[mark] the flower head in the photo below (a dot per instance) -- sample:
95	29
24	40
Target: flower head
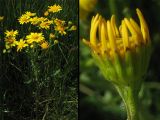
121	54
54	8
35	20
44	45
59	22
25	18
34	37
29	14
46	24
21	44
46	13
60	29
10	41
11	33
52	36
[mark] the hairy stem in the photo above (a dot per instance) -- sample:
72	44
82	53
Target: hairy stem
130	99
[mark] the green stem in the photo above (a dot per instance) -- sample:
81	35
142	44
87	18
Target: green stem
35	75
130	99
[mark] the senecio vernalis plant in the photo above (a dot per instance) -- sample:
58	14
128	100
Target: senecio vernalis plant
122	56
49	29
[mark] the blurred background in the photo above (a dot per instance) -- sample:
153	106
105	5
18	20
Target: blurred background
98	98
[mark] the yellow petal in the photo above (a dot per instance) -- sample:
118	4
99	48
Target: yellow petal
130	27
125	36
114	27
93	31
135	25
132	30
144	27
103	36
111	37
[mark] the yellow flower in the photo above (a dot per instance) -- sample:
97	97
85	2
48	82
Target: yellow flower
121	54
10	40
35	20
54	8
52	36
29	14
24	19
1	18
46	24
12	33
34	37
59	22
21	44
43	19
44	45
46	13
60	29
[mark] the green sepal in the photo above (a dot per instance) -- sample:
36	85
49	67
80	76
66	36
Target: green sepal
139	61
129	68
106	67
148	51
119	67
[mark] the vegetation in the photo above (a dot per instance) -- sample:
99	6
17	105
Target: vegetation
38	60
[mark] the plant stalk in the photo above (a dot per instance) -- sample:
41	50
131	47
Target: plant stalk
131	100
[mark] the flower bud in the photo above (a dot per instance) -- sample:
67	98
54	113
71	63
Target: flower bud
122	54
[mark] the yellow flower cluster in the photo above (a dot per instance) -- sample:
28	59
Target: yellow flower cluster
31	18
41	22
10	39
29	41
45	23
52	26
25	18
38	38
61	27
